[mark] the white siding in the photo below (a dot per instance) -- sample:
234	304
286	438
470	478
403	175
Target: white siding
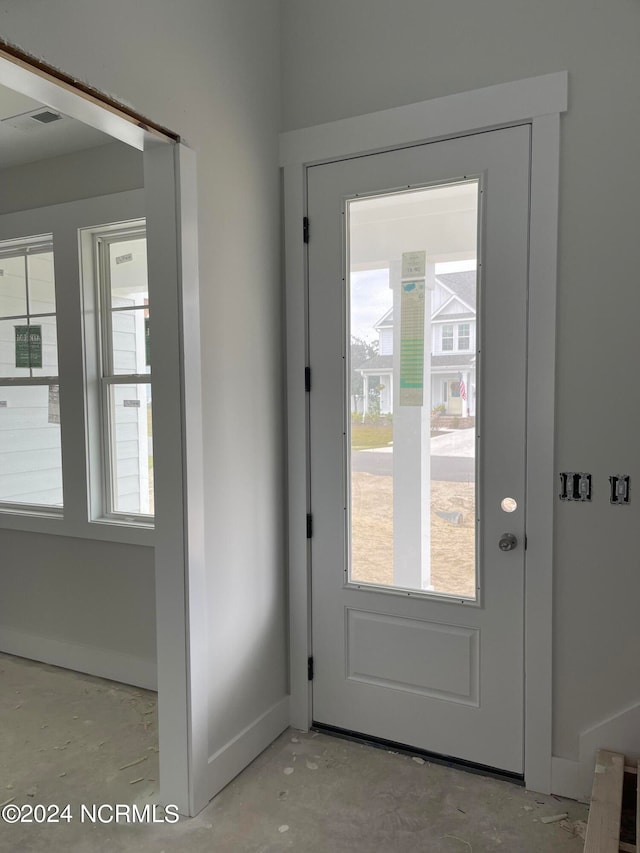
386	341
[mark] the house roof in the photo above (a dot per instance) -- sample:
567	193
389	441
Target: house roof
453	361
378	362
448	318
385	320
461	284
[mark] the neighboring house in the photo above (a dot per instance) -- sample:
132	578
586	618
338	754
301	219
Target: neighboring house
453	356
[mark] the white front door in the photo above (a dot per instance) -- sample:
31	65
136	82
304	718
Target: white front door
417	596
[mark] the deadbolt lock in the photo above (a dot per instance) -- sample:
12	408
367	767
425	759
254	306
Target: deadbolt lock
507	542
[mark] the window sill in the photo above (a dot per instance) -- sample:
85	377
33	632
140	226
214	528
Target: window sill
124	521
48	512
58	525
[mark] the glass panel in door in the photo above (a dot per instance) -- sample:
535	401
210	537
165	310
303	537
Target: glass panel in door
413	389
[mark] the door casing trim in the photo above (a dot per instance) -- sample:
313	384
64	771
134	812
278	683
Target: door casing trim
540	102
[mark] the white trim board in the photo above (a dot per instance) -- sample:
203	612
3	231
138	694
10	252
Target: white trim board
564	778
234	756
465	112
538	101
618	733
59	96
105	663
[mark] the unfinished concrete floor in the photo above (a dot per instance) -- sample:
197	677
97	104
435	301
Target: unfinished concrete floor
67	738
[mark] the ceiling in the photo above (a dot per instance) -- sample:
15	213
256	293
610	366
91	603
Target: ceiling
24	139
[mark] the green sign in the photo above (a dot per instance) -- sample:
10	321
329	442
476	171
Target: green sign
28	346
147	339
411	343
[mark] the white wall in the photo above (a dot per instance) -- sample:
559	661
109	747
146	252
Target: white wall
97	171
349	57
79	603
209	71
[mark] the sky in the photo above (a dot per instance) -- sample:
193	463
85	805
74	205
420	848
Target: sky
371	296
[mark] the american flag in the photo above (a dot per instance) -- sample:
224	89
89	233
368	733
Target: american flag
463	387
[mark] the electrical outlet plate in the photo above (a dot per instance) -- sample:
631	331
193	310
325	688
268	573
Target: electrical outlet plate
575	486
619	489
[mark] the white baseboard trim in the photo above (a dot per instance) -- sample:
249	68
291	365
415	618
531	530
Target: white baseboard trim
105	663
619	733
234	756
564	778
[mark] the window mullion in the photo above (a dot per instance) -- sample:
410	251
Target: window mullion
105	312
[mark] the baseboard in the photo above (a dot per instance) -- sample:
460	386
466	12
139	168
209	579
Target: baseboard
234	756
620	733
564	778
105	663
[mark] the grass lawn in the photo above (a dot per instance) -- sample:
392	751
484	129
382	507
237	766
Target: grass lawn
371	435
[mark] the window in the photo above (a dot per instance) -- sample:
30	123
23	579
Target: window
447	338
456	337
124	373
30	446
464	338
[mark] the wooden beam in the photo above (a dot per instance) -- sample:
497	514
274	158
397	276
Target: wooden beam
603	827
627	848
65	81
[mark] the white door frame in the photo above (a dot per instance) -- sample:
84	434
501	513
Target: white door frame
538	101
181	619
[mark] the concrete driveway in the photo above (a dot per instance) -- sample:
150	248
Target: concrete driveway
452	457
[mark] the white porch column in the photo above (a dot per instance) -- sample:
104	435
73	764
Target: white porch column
411	453
365	393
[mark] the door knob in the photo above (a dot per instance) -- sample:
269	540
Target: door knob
507	542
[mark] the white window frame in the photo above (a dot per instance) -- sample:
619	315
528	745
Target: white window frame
99	374
451	337
468	336
23	247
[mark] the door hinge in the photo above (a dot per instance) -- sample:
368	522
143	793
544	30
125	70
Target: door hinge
309	525
310	669
305	229
307	379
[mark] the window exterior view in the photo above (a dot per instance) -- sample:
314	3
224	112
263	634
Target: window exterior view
30	451
453	361
125	372
32	412
413	389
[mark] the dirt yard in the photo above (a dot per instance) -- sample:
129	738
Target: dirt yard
452	544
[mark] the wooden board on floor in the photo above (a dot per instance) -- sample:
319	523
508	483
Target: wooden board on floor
603	828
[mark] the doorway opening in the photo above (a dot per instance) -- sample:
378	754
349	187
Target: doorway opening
103	552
